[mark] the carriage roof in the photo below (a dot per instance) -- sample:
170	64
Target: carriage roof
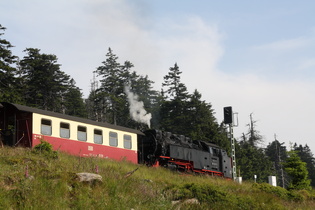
68	117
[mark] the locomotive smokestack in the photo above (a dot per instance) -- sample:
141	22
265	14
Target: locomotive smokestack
136	108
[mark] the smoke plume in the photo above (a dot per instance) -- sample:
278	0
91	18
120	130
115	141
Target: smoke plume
136	108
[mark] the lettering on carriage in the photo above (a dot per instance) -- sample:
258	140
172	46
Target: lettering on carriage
90	148
92	155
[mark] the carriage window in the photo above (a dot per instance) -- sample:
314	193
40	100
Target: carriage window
113	141
127	141
64	130
82	136
45	127
98	137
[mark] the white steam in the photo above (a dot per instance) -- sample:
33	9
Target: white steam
136	108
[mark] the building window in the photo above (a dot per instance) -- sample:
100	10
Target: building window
98	136
113	141
82	136
64	130
127	142
46	127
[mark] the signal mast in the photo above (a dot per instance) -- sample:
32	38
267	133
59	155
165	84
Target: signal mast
228	119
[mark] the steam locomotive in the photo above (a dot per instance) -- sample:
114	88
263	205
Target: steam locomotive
26	126
181	153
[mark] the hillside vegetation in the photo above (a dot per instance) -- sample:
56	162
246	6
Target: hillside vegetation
37	179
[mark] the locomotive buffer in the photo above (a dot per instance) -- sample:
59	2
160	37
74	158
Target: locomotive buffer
228	119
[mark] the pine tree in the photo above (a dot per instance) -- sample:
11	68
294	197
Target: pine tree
252	160
306	156
9	89
202	124
254	137
174	108
277	154
73	103
297	171
175	88
110	101
110	96
44	82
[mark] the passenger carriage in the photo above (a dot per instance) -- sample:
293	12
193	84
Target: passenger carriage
26	126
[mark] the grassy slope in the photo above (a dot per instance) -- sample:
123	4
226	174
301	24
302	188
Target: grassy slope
52	185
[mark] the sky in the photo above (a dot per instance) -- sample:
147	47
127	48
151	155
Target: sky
256	56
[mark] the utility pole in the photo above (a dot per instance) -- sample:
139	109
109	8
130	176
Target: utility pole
279	159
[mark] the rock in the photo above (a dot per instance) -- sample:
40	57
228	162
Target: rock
191	201
179	203
88	177
175	202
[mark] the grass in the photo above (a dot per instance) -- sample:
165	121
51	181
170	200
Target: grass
33	180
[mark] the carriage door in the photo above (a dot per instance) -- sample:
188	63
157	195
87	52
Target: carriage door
23	129
15	126
8	128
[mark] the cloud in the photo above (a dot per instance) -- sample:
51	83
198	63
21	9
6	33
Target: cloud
285	45
81	33
307	63
282	108
194	44
281	60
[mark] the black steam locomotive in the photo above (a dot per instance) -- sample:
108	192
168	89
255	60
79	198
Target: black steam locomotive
181	153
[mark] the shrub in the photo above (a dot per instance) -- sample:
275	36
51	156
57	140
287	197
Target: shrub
45	149
204	193
296	195
279	191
